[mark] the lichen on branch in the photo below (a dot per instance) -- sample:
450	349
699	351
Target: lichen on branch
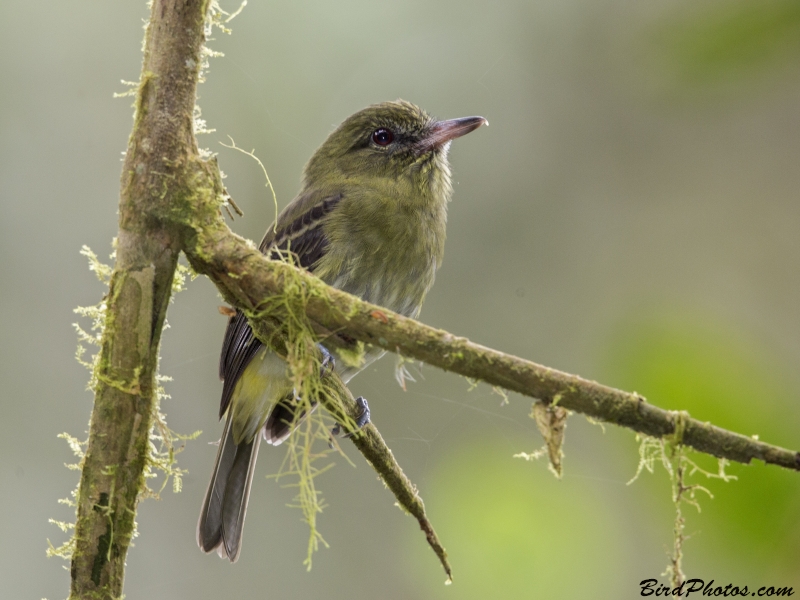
164	443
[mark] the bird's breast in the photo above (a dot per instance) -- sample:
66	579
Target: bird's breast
386	252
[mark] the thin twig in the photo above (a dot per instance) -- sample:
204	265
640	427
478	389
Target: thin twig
370	443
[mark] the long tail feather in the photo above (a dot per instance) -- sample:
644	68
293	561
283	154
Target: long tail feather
209	527
237	494
222	516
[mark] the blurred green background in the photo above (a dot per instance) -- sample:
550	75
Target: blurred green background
631	215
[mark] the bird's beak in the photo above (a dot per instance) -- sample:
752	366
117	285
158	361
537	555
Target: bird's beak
443	132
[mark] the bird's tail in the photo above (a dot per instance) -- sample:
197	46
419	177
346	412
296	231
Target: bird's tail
225	505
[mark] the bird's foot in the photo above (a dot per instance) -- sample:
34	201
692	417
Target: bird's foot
328	362
361	421
363	416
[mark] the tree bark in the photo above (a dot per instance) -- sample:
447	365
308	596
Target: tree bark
161	147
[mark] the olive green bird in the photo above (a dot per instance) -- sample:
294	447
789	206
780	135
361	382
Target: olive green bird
370	220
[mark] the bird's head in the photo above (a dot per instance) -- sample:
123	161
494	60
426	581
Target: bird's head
395	141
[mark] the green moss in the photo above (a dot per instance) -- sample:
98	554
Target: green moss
163	444
307	449
353	357
721	373
674	457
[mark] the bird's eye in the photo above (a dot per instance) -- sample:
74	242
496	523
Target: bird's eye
382	137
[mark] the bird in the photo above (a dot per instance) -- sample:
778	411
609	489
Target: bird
370	220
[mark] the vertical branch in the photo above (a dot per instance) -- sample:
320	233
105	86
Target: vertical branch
679	488
161	158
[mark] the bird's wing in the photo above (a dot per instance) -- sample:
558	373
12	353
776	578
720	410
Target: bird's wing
300	232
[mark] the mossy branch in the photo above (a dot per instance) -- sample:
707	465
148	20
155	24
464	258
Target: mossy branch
244	277
154	176
337	399
370	443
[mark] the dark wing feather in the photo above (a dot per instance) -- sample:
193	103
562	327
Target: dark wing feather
302	235
238	349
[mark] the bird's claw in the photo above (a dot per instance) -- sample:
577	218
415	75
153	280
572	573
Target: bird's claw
361	421
363	416
328	362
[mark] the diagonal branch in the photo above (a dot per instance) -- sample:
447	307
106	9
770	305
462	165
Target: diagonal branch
244	277
370	443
